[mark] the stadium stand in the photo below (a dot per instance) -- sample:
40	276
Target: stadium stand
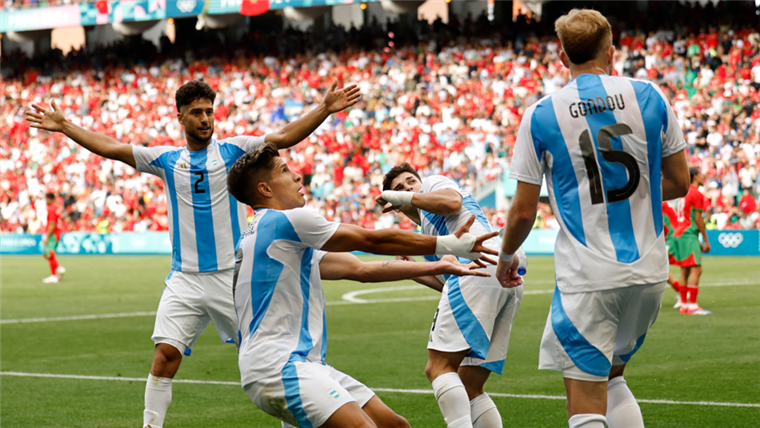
447	98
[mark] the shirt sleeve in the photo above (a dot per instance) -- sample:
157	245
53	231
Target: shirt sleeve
526	163
247	142
672	138
312	229
148	159
439	182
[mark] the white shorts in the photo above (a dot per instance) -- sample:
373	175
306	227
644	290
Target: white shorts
306	394
189	302
476	313
588	333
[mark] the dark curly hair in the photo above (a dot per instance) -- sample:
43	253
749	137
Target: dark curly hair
251	169
395	172
193	90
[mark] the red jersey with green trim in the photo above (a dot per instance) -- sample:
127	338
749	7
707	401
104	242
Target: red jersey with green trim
53	215
669	220
687	208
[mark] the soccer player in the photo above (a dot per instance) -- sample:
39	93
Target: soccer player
282	258
669	223
688	249
470	332
205	221
50	240
611	150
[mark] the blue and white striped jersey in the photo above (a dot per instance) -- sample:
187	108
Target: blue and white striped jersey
600	141
438	225
205	221
278	291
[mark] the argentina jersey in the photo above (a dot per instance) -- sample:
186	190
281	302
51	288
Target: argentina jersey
438	225
600	141
278	292
205	221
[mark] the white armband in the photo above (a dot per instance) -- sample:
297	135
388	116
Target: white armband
460	247
397	198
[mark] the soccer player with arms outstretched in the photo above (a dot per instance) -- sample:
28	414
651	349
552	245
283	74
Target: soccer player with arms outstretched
611	150
281	260
205	221
688	250
469	337
51	239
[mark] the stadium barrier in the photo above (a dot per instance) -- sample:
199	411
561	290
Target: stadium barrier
539	242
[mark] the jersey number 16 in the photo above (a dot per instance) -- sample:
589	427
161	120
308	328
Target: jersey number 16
604	136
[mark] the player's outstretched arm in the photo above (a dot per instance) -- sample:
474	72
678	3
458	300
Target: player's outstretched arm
54	121
348	266
522	215
430	281
441	202
394	242
296	131
675	176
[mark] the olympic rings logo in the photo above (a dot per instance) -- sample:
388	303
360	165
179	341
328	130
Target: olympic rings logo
730	240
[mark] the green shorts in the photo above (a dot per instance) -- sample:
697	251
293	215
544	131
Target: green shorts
687	251
51	246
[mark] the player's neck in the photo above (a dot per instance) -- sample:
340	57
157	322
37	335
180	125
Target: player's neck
591	67
194	145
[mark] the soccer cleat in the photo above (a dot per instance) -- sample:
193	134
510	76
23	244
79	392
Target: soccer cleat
684	310
699	311
60	271
52	279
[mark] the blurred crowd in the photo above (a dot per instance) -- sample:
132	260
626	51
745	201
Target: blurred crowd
447	98
26	4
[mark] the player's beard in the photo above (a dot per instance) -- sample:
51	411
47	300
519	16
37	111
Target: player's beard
197	136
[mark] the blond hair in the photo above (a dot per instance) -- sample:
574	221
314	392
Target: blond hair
584	34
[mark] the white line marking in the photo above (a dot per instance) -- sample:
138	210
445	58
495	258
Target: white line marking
401	391
348	299
79	317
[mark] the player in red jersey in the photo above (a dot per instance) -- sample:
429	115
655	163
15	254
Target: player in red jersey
688	250
670	221
51	239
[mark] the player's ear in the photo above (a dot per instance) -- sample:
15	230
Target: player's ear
264	190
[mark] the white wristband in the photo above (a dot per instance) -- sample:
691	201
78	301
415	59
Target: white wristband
397	198
460	247
506	257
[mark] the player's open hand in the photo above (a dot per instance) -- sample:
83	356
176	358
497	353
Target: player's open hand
336	101
506	273
451	266
49	120
478	247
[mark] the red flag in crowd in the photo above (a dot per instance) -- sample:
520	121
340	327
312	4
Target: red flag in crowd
254	7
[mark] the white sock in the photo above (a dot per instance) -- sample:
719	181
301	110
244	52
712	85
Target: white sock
158	397
587	420
453	401
484	412
622	408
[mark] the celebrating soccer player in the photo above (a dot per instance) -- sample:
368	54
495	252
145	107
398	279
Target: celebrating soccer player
282	258
470	333
205	221
603	143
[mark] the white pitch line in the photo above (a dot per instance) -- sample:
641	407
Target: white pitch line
401	391
79	317
348	299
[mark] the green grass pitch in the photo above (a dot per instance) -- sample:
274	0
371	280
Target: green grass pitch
684	359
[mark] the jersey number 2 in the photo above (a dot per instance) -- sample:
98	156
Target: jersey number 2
201	176
604	136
